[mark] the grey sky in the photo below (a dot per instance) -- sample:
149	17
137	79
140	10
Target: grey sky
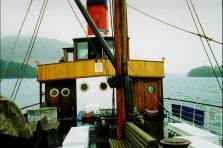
149	39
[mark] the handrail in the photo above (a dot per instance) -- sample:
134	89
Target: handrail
215	129
29	106
194	102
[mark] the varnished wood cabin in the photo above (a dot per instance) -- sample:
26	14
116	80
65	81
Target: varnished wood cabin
87	59
81	62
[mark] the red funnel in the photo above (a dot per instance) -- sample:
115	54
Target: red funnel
97	9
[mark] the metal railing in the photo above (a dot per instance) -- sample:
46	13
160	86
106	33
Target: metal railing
212	117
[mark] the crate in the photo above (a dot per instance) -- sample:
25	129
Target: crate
37	114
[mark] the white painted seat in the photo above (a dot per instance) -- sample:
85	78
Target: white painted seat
197	142
78	137
185	129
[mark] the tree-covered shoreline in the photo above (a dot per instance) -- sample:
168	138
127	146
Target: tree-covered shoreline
14	68
205	71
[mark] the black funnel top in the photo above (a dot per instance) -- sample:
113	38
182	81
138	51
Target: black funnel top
95	2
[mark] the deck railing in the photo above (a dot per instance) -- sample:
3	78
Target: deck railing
210	119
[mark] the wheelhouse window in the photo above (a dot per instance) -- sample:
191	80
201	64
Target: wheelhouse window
82	50
111	46
70	56
90	48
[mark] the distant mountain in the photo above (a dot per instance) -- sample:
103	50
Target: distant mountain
45	50
205	71
14	68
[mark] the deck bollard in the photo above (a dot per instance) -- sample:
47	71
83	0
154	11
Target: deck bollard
175	143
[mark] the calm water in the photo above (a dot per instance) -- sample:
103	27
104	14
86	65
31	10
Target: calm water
28	93
179	87
197	89
203	90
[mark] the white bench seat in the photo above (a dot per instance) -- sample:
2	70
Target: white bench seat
185	129
77	137
197	142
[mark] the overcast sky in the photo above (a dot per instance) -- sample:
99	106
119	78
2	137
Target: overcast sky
149	39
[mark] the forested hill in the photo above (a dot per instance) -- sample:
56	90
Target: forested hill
14	68
45	50
204	71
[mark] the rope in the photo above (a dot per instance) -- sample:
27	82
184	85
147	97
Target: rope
30	48
205	35
29	51
83	28
111	16
173	26
77	16
17	37
28	106
112	26
204	46
181	100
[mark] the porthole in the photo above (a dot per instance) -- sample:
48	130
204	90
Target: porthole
65	92
151	89
103	86
54	92
84	87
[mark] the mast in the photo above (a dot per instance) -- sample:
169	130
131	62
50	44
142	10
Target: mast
120	31
120	59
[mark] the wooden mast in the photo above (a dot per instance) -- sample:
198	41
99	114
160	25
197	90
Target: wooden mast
120	60
120	31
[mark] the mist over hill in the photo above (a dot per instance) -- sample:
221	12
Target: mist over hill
45	50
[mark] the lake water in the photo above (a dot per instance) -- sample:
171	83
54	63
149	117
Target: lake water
197	89
204	90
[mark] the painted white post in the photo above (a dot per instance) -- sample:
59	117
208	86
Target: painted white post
194	114
221	124
169	113
181	104
208	117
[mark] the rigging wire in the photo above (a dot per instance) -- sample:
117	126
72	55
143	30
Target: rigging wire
179	28
205	35
173	26
112	29
29	51
17	38
111	16
30	48
203	45
82	26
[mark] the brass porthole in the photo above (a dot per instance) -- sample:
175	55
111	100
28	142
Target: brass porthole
103	86
84	87
54	92
65	92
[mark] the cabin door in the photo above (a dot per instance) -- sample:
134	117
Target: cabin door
151	95
62	94
146	94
